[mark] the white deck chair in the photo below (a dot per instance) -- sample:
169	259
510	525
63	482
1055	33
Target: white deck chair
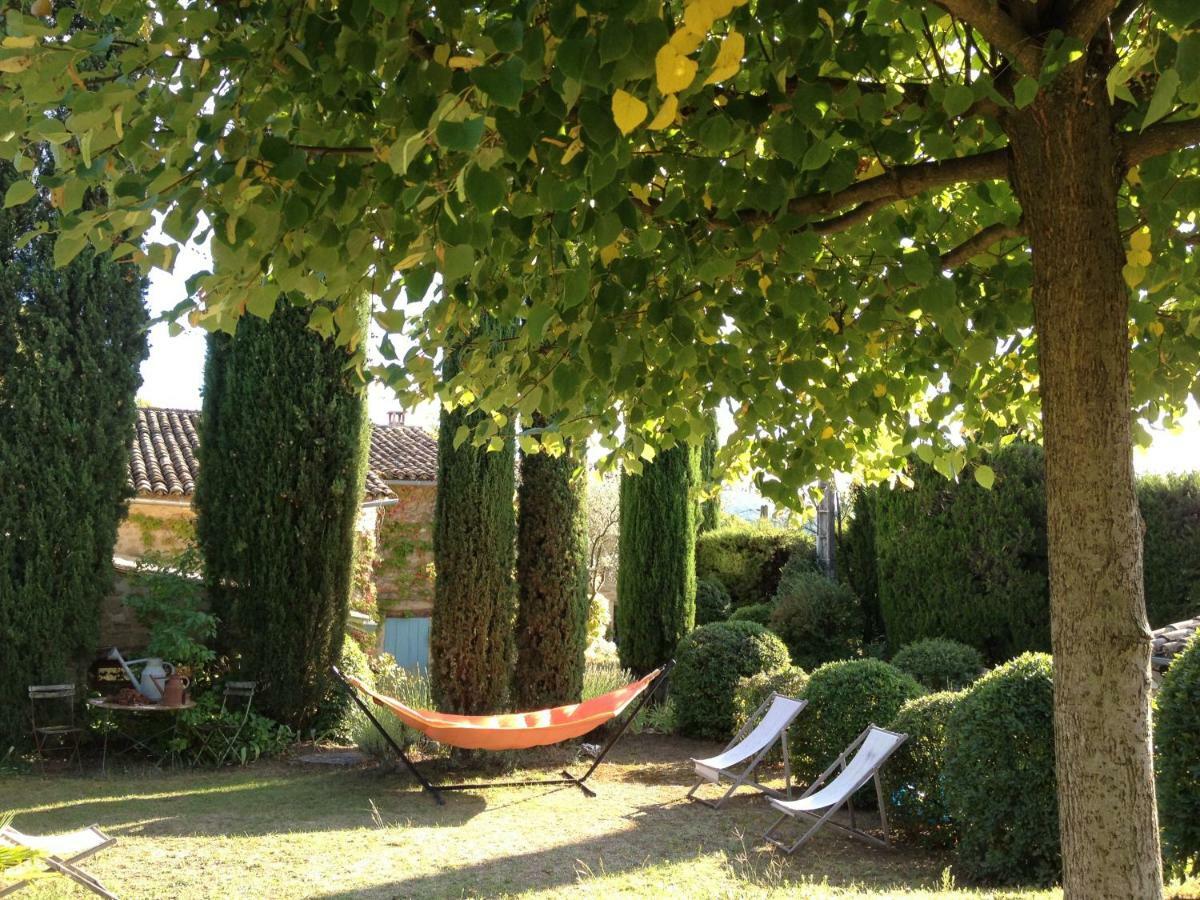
773	717
873	747
62	852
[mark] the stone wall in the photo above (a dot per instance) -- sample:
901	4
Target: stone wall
404	552
156	526
118	625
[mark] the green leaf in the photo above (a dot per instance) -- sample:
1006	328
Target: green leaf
958	99
985	476
67	247
458	262
19	192
503	83
408	145
576	286
391	320
816	156
1024	91
464	135
1163	100
262	300
484	189
461	433
1180	13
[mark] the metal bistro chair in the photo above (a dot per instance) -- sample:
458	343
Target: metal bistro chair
55	729
221	737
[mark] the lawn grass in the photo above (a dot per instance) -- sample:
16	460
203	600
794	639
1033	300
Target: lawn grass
283	830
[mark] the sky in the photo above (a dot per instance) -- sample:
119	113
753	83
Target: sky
172	374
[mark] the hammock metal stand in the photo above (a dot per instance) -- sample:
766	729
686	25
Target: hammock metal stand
567	778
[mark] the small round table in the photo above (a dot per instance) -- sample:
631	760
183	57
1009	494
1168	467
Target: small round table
138	709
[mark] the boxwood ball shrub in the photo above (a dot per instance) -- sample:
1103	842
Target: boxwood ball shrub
1177	758
709	663
748	558
818	618
913	779
940	663
752	690
999	775
712	601
843	699
755	612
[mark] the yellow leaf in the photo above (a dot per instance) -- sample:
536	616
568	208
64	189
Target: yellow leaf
463	62
666	114
875	168
628	111
441	53
729	58
1155	328
1140	239
827	432
609	253
572	151
826	18
698	17
707	200
1138	258
832	324
685	41
411	260
640	191
1133	176
13	42
1133	275
880	390
14	64
674	71
764	283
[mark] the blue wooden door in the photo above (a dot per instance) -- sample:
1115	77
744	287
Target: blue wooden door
407	640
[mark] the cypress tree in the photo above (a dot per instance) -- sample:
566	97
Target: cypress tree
552	582
471	644
710	509
71	342
656	581
282	455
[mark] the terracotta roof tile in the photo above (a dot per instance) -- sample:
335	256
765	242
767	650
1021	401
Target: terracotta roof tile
162	455
1166	642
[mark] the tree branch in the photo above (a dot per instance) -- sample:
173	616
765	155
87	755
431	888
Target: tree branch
1159	139
999	30
1087	16
978	243
903	182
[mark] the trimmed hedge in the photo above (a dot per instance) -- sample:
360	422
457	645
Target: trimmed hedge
843	699
748	559
940	664
752	690
1177	759
999	775
712	601
914	779
755	612
959	561
1170	507
709	664
818	618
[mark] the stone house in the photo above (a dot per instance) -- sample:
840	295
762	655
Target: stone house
395	522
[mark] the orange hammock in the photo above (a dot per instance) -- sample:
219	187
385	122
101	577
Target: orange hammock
512	731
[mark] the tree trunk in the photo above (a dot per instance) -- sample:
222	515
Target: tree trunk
1066	171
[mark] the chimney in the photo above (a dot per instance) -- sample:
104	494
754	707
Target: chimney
395	417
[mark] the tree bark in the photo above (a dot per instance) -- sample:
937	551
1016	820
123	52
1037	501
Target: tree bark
1066	171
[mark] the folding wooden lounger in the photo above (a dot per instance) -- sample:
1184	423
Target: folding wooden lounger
62	853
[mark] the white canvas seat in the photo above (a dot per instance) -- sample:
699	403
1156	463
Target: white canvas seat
768	724
829	793
62	852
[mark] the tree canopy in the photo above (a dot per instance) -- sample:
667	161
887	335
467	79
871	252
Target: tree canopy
759	203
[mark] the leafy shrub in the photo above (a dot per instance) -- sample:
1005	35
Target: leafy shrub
818	618
335	714
1170	506
843	699
602	675
752	690
1177	758
913	778
709	664
760	613
712	601
260	737
958	561
940	663
747	559
999	775
170	604
410	688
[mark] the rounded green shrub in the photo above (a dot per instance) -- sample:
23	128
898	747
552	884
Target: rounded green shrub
1177	758
748	558
709	663
818	618
940	663
755	612
913	779
752	690
843	699
712	601
999	775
